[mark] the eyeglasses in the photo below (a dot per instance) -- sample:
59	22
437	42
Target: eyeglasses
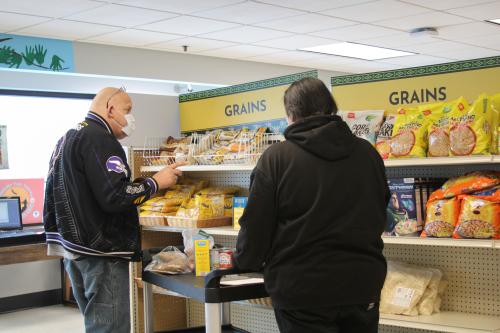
122	89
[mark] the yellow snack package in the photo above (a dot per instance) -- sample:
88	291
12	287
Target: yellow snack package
441	218
176	195
479	218
228	205
495	108
210	206
409	134
438	139
470	128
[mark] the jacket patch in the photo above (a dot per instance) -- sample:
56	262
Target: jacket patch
134	189
115	164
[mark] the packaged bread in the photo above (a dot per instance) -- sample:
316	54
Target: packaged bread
467	184
479	218
409	137
427	304
364	124
230	190
159	209
403	288
470	128
177	194
383	143
441	218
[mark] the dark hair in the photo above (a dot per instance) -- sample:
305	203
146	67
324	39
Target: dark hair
308	97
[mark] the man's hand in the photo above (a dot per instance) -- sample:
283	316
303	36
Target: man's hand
168	176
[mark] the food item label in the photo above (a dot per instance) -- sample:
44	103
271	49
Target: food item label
409	137
239	204
202	257
403	297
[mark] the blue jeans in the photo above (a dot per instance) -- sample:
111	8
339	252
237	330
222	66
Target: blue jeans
101	289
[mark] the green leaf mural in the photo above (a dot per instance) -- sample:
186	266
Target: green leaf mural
32	56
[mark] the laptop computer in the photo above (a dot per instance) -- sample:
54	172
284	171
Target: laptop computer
10	214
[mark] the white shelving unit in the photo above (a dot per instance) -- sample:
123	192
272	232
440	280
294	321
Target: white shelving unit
471	265
452	322
391	163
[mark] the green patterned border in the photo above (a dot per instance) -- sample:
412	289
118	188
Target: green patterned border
278	81
459	66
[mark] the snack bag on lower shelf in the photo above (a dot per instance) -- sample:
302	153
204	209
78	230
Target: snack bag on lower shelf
441	218
466	184
364	124
403	288
383	143
471	128
409	137
479	218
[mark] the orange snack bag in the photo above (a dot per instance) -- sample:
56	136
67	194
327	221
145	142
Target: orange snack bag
469	183
441	218
479	218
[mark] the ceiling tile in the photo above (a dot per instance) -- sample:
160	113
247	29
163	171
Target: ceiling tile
432	19
376	11
132	37
240	51
188	25
445	4
415	60
457	32
64	29
286	57
122	16
178	6
194	44
435	48
50	8
10	22
249	13
306	23
485	11
296	42
355	32
314	5
362	66
245	34
487	41
470	53
396	40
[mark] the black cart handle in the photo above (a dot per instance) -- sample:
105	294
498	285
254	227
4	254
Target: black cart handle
212	280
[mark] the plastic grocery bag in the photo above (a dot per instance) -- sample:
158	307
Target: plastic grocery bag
403	288
171	261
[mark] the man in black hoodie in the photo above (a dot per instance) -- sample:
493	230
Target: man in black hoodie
314	219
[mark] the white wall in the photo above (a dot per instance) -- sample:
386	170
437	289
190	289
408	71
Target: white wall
32	277
156	116
123	61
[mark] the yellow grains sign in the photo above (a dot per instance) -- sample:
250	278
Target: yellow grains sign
248	103
390	90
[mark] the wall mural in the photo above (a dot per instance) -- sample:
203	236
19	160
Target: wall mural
23	52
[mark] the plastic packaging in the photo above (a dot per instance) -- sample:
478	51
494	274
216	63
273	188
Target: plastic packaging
170	261
409	137
466	184
364	124
441	218
479	218
189	236
383	144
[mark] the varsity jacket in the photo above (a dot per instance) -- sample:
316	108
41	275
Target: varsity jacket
90	202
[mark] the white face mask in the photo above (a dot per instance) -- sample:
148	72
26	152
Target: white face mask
130	127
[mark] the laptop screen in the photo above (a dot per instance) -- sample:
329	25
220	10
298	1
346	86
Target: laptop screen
10	213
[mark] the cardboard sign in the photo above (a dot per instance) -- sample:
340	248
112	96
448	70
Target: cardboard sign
31	192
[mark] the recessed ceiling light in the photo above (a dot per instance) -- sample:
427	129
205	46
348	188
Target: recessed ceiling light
496	21
359	51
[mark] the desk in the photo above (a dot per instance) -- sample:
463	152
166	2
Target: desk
25	246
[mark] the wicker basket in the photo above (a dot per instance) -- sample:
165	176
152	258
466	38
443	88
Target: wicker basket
186	222
262	301
153	220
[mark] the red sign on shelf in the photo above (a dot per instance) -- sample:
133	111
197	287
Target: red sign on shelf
31	192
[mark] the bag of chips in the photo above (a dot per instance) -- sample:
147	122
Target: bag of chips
364	124
495	114
466	184
409	134
383	144
438	140
441	218
470	128
479	218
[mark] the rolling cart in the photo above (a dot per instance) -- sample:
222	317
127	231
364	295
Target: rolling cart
207	290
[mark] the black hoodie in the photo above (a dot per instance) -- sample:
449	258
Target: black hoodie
314	219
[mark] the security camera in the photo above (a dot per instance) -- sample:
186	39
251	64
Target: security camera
189	88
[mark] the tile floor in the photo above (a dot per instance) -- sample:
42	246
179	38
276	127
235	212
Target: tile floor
50	319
